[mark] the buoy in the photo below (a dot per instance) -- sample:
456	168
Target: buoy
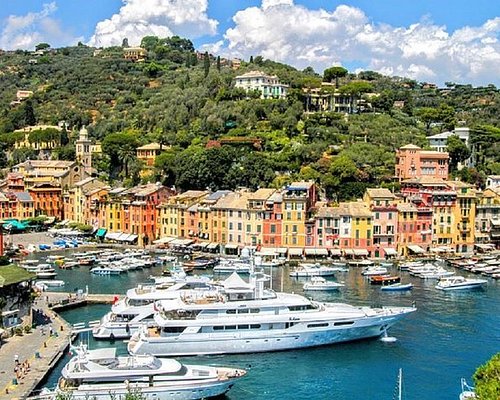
387	339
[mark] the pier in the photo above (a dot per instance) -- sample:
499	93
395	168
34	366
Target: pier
39	351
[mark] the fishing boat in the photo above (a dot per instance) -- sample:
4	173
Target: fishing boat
460	283
397	287
245	317
100	374
384	279
321	284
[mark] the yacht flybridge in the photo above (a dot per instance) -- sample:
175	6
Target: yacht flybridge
137	308
245	317
100	374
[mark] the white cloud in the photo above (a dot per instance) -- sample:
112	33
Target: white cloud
162	18
26	31
283	31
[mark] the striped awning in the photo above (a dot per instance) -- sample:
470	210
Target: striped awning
390	251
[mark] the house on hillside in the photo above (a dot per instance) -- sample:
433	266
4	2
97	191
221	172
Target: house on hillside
269	86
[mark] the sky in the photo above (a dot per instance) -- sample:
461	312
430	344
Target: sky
427	40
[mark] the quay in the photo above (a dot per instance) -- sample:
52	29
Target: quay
39	349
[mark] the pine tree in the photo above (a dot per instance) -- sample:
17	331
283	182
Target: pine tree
206	63
218	63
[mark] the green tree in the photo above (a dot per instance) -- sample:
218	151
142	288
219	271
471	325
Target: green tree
29	113
149	42
334	73
458	151
218	63
125	42
487	379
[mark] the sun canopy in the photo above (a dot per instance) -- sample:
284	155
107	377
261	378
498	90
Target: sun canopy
231	246
101	232
316	251
295	252
335	252
163	240
360	252
390	251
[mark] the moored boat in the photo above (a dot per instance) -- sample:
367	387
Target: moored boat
384	279
321	284
245	317
100	374
467	392
460	283
397	287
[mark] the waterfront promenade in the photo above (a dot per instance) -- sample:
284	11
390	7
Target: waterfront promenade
40	349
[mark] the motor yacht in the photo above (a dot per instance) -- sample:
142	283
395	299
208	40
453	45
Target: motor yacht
106	270
460	282
100	374
137	308
244	317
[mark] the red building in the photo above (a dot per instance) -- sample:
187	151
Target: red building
272	222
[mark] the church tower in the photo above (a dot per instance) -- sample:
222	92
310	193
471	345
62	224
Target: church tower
83	152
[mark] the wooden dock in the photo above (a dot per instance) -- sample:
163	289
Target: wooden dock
59	301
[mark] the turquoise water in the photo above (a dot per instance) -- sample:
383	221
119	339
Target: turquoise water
446	339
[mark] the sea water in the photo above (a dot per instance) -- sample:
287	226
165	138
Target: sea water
445	339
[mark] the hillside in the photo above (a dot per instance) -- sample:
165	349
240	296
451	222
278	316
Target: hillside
179	100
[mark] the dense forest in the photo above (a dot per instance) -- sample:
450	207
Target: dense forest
187	102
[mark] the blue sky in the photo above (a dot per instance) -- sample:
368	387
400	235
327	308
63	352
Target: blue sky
428	40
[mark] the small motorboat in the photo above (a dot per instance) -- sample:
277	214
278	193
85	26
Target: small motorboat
54	283
397	287
376	270
467	392
459	283
321	284
104	270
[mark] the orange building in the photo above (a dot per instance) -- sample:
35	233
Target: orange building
413	162
47	199
272	222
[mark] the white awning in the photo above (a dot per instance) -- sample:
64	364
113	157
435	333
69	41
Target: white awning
315	251
416	249
267	251
180	242
335	252
231	246
201	245
122	237
130	238
390	251
281	250
212	246
485	246
360	252
348	252
294	251
112	235
163	240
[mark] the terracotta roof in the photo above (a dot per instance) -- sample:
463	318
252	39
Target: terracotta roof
261	194
380	192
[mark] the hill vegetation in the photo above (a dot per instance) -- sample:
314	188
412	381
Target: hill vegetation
185	100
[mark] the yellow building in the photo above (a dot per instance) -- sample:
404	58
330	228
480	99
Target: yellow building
298	199
65	173
255	209
172	214
464	216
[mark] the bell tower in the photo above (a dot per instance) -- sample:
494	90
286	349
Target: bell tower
83	152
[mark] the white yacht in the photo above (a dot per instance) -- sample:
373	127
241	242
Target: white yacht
137	308
459	282
305	270
106	270
375	270
100	374
321	284
246	318
230	266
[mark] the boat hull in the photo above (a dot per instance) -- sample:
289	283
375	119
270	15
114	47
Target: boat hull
461	287
157	392
263	341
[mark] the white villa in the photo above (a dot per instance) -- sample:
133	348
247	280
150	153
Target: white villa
268	85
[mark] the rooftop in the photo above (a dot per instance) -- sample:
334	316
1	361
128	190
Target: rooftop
11	274
152	146
380	193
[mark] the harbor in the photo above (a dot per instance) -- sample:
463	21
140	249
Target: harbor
423	348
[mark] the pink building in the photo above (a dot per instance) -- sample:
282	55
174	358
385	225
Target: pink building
382	204
413	162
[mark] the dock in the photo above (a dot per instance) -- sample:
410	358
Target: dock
38	348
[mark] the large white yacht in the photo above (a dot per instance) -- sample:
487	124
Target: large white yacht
245	318
137	308
100	374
